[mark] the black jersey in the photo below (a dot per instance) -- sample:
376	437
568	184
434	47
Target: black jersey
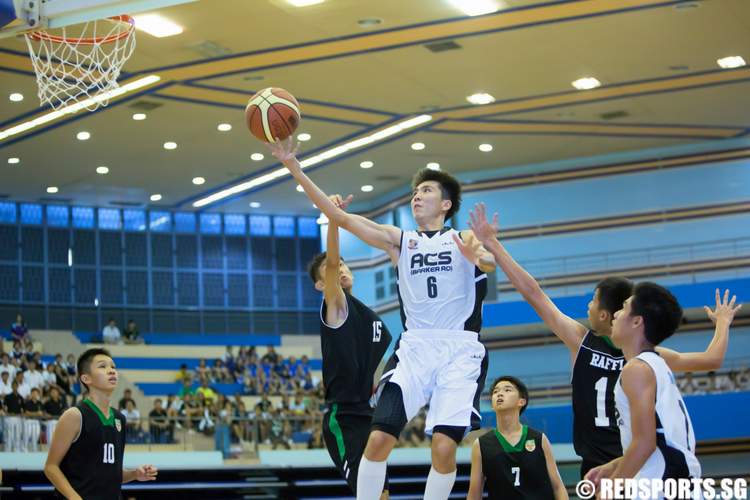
54	408
93	464
518	471
595	372
14	403
351	354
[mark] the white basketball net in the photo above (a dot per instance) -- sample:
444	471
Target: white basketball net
80	63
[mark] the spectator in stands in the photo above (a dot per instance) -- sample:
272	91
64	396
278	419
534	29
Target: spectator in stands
304	366
49	377
63	379
316	439
733	381
131	333
191	410
18	329
184	374
6	384
70	365
250	386
24	389
8	367
688	385
278	424
204	391
202	370
18	352
240	428
13	404
228	355
127	395
33	412
132	421
53	408
110	333
187	388
413	434
308	383
274	384
271	356
174	410
158	423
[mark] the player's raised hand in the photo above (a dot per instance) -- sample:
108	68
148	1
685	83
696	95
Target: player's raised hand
483	229
146	473
285	150
468	251
340	201
725	308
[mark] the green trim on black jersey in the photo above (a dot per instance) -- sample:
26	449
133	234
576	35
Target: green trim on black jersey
609	342
507	447
105	421
333	424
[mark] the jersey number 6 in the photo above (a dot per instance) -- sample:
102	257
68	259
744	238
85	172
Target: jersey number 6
432	287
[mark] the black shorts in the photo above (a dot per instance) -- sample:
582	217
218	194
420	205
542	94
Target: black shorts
345	435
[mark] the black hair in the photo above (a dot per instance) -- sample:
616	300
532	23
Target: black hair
83	365
659	309
613	292
313	267
449	186
523	392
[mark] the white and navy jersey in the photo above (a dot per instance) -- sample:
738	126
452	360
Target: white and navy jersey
438	288
674	456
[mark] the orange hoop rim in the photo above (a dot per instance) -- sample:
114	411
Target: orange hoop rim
44	36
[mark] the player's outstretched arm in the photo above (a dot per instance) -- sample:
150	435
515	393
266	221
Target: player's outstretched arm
639	384
476	482
66	431
142	473
382	236
558	487
333	293
570	331
713	357
481	258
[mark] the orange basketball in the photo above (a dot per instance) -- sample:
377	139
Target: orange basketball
271	114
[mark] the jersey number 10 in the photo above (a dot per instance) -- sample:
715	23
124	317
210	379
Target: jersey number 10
109	453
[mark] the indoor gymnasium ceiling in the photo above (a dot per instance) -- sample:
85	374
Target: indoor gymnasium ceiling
657	61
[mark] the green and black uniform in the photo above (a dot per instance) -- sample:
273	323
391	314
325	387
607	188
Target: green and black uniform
93	464
351	354
515	471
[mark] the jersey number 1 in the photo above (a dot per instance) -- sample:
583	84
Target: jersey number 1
601	420
109	453
432	287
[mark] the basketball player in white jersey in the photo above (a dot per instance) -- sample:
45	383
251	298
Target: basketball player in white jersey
657	435
439	359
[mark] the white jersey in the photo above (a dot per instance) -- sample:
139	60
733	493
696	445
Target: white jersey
438	288
674	456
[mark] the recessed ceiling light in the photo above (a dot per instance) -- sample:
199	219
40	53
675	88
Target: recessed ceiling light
418	146
170	145
485	148
224	127
366	188
586	83
13	161
433	165
157	25
257	156
304	137
476	7
254	204
369	22
155	197
480	98
731	62
52	189
304	3
139	116
83	136
198	181
16	97
102	170
300	189
366	164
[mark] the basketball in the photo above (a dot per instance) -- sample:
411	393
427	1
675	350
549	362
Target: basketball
271	114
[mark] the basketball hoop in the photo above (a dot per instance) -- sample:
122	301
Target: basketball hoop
81	63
